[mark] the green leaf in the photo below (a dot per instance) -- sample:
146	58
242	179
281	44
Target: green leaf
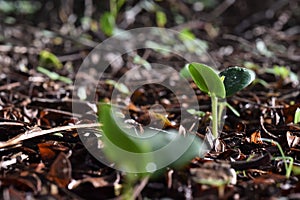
107	23
48	59
207	79
141	61
297	116
119	146
198	113
152	147
184	72
119	86
236	78
161	19
53	75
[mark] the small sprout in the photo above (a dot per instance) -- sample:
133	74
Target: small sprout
219	86
198	113
161	19
262	49
48	59
119	86
53	75
297	116
288	165
141	61
284	73
108	23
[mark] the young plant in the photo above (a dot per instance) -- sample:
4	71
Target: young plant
219	86
288	165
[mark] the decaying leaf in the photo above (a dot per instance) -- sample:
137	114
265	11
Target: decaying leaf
60	170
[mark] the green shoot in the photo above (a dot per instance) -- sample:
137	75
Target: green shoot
53	75
288	168
48	59
218	86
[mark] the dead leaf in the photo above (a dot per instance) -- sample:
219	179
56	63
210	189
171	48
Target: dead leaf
256	137
292	140
60	170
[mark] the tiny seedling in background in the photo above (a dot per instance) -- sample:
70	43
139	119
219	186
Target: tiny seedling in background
288	166
219	86
54	76
48	59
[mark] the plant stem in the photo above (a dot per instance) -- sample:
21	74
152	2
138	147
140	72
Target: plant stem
214	110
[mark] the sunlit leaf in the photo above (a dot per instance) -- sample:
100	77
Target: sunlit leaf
161	19
53	75
119	86
48	59
297	116
207	79
107	23
236	78
198	113
141	61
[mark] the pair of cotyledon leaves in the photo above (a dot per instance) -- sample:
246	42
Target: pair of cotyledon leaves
224	84
150	150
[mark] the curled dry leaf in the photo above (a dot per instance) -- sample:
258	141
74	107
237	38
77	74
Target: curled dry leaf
60	170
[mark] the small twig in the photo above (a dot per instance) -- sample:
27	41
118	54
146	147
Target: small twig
138	189
10	86
261	120
37	132
12	124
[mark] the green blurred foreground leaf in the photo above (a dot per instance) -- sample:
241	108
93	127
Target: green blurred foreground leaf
145	153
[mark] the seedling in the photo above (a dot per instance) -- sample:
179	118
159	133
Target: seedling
288	166
219	86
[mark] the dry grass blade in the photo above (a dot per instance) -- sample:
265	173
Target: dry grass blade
38	132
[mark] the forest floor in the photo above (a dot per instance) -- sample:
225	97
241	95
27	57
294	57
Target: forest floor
42	50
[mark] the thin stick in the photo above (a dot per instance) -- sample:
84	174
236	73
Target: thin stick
37	132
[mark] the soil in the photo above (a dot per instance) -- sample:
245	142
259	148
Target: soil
42	153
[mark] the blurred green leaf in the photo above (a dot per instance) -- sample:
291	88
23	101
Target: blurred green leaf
198	113
186	34
107	23
262	48
184	72
119	86
53	75
152	148
48	59
161	19
141	61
